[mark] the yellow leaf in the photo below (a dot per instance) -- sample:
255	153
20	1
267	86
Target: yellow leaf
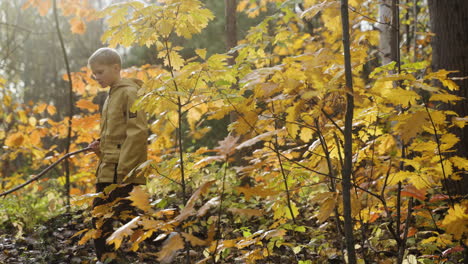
170	248
14	140
125	230
91	234
459	162
32	121
444	98
174	60
140	198
306	134
448	140
456	221
386	143
201	53
22	117
460	121
7	100
399	177
245	123
411	124
51	109
399	96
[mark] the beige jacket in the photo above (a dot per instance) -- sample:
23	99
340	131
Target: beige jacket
124	135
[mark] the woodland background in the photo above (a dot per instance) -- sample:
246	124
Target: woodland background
299	131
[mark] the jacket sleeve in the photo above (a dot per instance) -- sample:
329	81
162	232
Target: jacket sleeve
134	148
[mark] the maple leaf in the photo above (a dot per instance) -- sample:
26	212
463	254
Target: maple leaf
410	125
456	220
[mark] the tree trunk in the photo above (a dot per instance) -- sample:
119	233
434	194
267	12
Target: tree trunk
449	23
348	137
231	26
231	36
384	26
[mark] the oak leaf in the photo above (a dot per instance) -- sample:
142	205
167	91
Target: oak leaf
140	198
258	190
170	248
125	230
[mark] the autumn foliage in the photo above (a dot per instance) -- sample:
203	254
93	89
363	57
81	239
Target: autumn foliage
282	195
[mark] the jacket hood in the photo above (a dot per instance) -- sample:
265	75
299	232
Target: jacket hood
128	82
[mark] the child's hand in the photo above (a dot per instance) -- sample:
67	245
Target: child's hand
94	146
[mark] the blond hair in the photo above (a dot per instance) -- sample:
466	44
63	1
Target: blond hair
106	56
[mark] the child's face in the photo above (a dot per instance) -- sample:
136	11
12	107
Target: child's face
106	75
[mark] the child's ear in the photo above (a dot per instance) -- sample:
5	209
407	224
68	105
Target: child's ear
116	67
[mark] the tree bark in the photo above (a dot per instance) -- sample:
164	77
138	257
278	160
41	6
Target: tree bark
449	23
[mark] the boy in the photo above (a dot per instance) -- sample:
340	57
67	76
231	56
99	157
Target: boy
123	139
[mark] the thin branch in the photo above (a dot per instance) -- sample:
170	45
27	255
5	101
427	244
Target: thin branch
43	172
439	152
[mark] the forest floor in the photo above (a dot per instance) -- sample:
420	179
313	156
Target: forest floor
50	242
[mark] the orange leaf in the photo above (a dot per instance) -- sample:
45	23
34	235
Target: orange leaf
256	191
412	231
411	191
14	140
51	109
195	241
170	248
246	212
188	210
88	105
77	25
